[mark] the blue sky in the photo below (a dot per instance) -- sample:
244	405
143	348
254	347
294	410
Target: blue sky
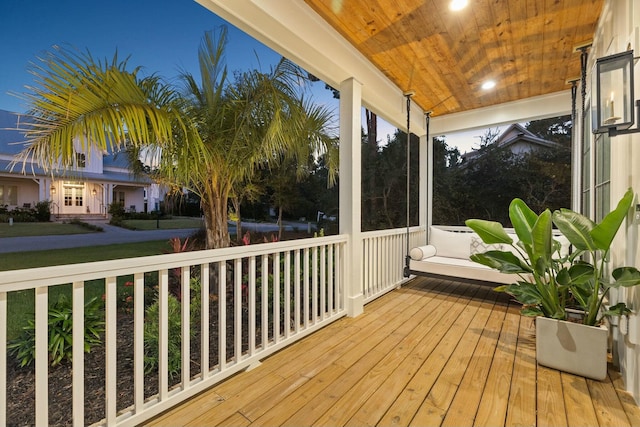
162	36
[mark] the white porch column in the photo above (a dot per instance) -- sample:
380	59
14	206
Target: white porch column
350	190
425	183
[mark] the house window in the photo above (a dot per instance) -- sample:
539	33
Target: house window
602	160
9	195
81	160
73	193
586	166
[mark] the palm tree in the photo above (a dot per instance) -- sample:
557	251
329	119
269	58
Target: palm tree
246	124
210	139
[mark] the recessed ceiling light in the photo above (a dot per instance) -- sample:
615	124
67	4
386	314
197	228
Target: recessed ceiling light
489	84
456	5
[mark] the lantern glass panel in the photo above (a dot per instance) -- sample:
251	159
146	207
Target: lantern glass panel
614	91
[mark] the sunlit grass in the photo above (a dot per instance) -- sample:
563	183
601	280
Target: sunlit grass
28	229
34	259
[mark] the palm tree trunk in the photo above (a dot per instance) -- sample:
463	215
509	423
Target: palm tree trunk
215	215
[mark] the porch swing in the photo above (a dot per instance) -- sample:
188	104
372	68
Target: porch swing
446	254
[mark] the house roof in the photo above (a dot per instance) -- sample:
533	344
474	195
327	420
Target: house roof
514	134
517	133
115	167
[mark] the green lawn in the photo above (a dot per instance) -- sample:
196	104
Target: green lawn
164	224
25	229
34	259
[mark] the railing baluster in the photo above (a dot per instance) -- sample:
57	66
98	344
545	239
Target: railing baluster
296	290
330	284
237	305
163	332
340	293
138	341
366	267
276	297
323	282
305	289
42	356
287	294
185	292
111	348
78	353
204	320
3	358
264	289
252	306
222	315
314	285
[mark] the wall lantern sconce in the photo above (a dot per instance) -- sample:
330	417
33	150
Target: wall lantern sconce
94	192
614	96
53	189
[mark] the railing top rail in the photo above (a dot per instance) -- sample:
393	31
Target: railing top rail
391	231
15	280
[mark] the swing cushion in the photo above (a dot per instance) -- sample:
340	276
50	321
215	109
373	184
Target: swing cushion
448	255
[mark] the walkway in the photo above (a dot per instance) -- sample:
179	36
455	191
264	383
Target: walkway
114	235
111	235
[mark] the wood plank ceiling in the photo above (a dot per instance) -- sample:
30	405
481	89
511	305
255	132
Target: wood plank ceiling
525	46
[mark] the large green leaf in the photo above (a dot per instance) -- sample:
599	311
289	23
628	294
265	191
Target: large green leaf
524	292
542	242
523	219
503	261
576	228
626	276
490	232
581	273
604	232
617	310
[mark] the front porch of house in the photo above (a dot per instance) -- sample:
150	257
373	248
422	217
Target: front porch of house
435	352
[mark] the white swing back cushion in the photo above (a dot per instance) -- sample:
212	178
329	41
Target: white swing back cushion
450	244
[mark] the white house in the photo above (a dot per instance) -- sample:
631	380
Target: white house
518	140
98	180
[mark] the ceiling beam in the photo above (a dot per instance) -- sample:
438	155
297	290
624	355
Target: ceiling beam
524	110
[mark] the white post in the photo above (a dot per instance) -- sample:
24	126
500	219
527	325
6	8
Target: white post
350	191
425	184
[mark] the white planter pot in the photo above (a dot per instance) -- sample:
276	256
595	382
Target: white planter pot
572	347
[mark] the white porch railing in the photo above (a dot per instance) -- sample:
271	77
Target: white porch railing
383	259
252	300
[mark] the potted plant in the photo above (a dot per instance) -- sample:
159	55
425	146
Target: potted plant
552	280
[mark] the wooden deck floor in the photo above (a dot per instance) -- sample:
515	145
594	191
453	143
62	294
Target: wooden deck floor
435	352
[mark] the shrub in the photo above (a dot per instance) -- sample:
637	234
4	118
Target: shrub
60	332
152	337
23	215
116	210
43	211
152	331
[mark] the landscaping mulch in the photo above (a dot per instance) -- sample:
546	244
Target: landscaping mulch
21	380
